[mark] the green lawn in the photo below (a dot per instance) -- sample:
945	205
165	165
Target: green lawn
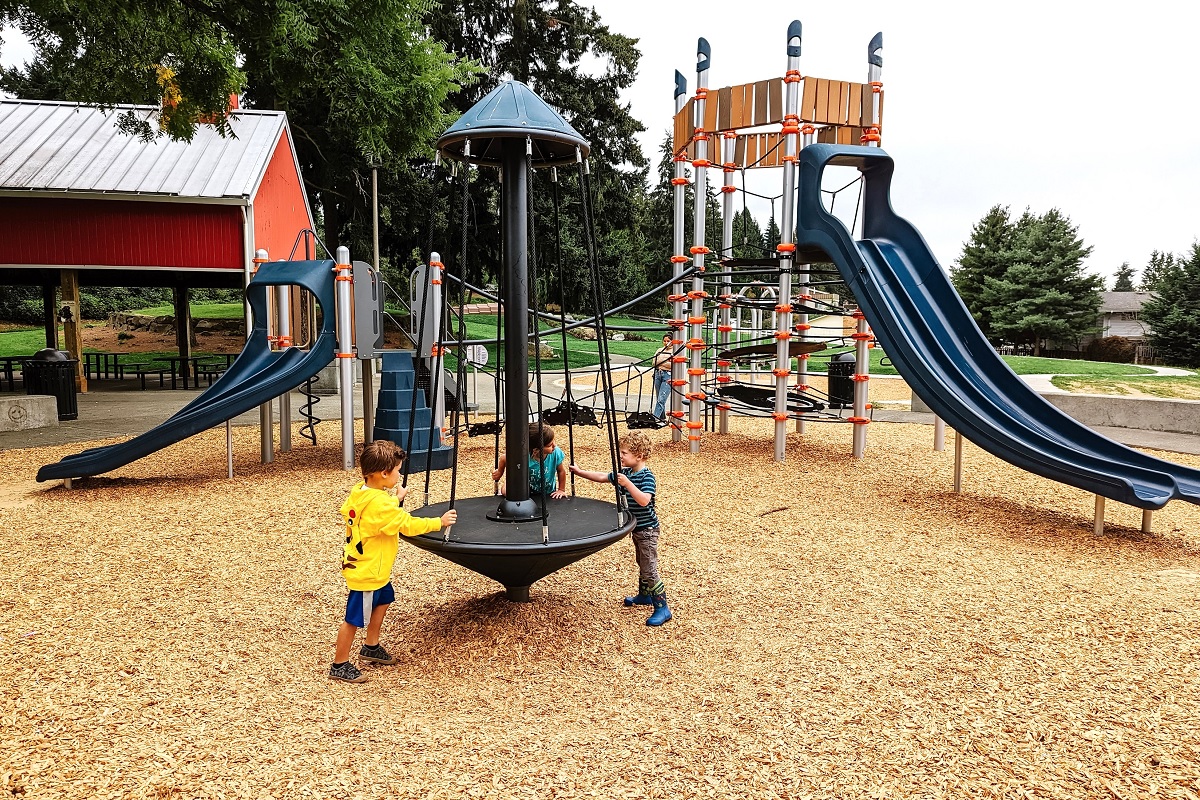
199	311
22	342
1030	365
583	353
28	342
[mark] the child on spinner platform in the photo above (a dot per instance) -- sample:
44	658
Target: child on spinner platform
374	519
639	487
547	464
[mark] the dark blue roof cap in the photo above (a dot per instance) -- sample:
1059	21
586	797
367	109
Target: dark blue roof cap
512	111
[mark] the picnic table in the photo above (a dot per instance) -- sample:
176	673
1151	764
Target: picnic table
99	363
8	367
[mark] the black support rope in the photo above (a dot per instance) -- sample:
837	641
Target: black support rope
601	332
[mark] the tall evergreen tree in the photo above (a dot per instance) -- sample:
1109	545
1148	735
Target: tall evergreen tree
545	44
1044	294
983	257
1161	264
747	236
772	236
1173	314
1124	279
660	219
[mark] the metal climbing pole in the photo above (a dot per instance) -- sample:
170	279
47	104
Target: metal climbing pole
802	326
787	246
875	79
678	259
724	327
695	320
862	336
345	354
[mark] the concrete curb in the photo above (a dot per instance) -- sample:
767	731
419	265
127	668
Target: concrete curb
1110	411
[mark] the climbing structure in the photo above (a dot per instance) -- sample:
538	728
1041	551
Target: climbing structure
723	128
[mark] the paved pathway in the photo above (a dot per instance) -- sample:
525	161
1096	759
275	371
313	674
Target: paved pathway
1042	384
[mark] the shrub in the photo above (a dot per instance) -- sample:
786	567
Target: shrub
1116	349
21	304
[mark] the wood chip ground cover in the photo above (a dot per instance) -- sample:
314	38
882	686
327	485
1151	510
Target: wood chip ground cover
843	629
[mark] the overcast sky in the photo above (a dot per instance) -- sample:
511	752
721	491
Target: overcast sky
1040	104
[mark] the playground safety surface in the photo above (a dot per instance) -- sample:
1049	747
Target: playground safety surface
842	629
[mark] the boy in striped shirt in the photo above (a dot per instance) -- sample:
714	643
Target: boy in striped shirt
638	487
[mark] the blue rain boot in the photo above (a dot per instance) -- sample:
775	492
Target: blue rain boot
661	612
642	598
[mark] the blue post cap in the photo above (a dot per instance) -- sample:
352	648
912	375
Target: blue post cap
703	54
793	44
680	83
874	50
512	111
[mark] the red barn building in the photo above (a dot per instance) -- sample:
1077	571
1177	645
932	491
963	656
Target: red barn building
82	203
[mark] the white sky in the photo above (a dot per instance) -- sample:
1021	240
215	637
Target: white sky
1041	104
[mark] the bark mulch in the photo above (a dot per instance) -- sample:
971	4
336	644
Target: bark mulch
842	629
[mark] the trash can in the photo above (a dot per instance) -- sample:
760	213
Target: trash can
52	372
841	380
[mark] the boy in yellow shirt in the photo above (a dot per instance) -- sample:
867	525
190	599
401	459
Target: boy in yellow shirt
374	521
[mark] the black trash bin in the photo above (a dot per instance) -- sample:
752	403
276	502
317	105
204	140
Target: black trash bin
841	380
52	372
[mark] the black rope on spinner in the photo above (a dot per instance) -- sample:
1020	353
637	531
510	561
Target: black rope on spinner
460	371
537	338
412	408
610	416
562	311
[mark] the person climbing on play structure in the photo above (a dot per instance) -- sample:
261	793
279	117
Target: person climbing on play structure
639	489
662	378
547	464
374	521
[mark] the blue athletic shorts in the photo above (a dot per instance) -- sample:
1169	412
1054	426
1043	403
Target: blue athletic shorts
360	604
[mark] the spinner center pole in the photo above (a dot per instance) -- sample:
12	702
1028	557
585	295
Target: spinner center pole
515	200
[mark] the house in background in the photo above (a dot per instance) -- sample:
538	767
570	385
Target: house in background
1121	315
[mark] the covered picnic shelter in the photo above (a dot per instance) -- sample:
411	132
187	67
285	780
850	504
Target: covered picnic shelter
84	204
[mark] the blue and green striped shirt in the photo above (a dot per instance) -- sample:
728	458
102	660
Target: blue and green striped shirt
644	516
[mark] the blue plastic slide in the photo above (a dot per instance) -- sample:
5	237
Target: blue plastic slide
256	376
939	350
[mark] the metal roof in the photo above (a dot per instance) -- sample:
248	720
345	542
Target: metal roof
52	147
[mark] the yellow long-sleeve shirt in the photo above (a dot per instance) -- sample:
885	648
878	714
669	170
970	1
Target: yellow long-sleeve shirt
374	523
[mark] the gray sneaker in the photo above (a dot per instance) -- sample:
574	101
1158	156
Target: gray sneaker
376	654
346	672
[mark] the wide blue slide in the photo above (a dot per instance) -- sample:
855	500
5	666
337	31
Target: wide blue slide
257	375
939	350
